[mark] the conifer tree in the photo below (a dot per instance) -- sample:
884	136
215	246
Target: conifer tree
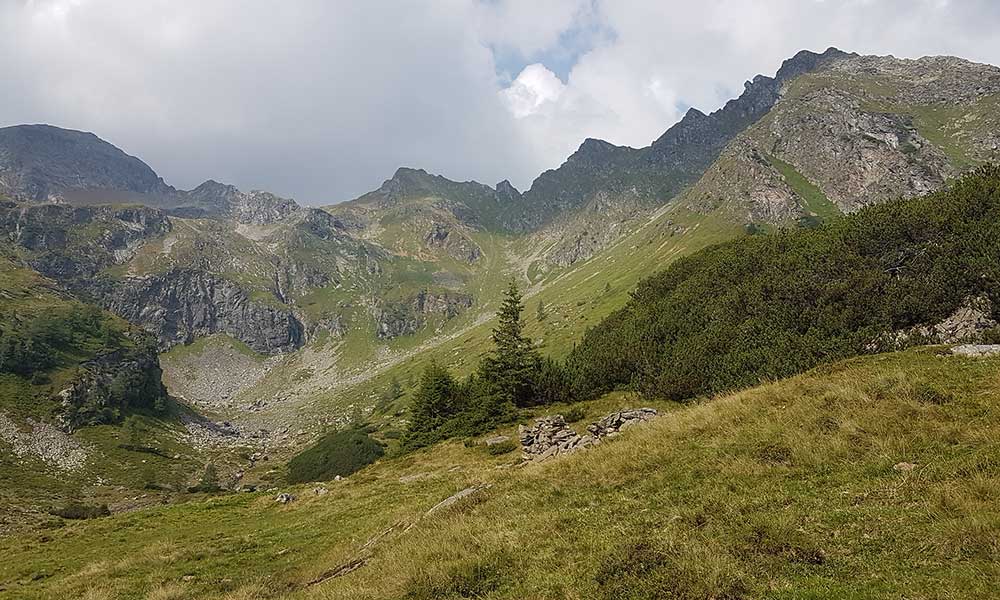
510	369
436	400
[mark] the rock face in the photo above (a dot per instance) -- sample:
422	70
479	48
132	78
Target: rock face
43	163
409	316
456	245
180	305
254	207
551	436
856	156
859	130
605	189
74	243
112	383
967	325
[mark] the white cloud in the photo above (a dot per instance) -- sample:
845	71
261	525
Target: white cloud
533	90
322	99
667	56
528	26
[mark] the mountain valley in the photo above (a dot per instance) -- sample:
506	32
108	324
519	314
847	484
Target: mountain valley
170	348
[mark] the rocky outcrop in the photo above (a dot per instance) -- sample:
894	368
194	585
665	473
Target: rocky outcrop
655	174
180	305
471	202
970	321
407	317
74	243
862	130
745	181
109	385
976	350
253	208
620	420
321	224
855	155
969	324
443	237
457	497
551	436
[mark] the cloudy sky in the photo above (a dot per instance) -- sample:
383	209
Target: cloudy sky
322	99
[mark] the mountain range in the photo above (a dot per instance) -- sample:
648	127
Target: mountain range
273	322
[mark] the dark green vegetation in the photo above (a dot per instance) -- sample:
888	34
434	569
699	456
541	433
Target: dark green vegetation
36	343
341	453
512	375
79	512
766	307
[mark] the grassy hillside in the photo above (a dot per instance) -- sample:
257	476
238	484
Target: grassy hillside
46	335
48	343
332	379
796	489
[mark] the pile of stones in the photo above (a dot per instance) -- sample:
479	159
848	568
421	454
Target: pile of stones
612	424
551	436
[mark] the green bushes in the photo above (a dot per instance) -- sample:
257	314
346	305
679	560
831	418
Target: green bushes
33	343
341	453
574	414
78	511
769	306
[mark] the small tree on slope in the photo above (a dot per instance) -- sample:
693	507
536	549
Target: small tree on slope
513	365
436	401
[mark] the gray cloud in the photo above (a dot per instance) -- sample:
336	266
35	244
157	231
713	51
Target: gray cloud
322	100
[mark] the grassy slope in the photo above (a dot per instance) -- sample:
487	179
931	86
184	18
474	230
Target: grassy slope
813	198
575	299
783	491
111	474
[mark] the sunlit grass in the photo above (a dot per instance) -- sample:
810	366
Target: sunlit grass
787	490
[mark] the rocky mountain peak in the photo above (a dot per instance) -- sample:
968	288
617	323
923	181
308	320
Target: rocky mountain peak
406	181
254	207
42	163
805	61
506	192
693	114
593	150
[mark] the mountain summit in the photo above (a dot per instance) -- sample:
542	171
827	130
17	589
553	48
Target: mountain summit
42	162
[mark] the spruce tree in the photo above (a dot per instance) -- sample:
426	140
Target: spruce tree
436	400
510	369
